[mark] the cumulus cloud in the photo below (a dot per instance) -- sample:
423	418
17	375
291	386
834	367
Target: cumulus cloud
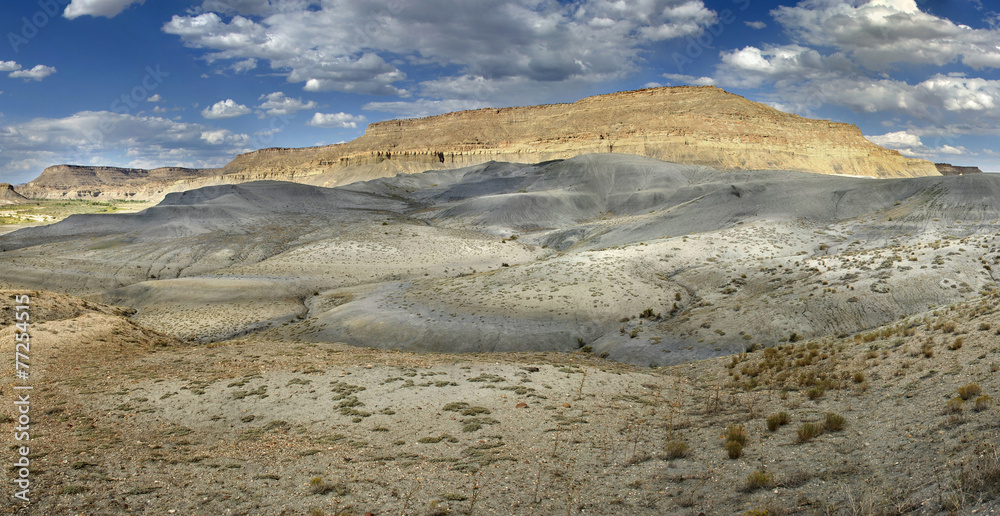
364	46
910	144
681	79
341	120
106	8
880	33
155	98
37	73
756	24
9	66
278	104
228	108
107	138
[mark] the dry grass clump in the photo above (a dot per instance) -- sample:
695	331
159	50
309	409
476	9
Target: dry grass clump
736	433
834	422
736	440
809	430
970	391
776	420
983	402
759	480
318	487
734	449
955	405
676	450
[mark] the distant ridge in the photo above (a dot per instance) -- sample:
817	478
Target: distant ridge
9	196
947	169
693	125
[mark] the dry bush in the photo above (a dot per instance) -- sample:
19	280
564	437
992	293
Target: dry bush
970	391
676	449
737	433
809	430
734	449
834	422
759	480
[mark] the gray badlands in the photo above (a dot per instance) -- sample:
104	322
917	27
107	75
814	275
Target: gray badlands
546	257
603	334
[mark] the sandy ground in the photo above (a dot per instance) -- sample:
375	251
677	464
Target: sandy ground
125	420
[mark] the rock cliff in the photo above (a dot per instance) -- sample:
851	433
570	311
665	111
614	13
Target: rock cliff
9	196
695	125
947	169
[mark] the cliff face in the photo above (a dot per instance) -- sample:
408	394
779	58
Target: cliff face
696	125
9	196
947	169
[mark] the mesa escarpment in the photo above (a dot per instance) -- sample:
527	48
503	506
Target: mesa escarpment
692	125
947	169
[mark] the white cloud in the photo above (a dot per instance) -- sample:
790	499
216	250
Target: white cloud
228	108
910	144
880	33
244	66
106	138
362	46
343	120
155	98
678	78
756	24
37	73
106	8
9	66
278	104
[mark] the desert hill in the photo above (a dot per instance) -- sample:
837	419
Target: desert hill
9	196
430	261
947	169
690	125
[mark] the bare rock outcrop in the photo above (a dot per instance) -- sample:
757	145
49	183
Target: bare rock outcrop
9	196
692	125
947	169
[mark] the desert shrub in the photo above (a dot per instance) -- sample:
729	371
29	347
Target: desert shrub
834	422
676	449
956	344
859	377
759	480
776	420
984	326
734	449
318	487
954	406
969	391
948	327
815	392
983	402
737	433
809	430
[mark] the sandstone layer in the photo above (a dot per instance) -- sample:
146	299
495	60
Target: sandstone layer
947	169
690	125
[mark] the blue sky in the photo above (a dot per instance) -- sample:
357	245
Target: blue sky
193	83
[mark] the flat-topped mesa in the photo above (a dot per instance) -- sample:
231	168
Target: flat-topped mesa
114	182
700	125
947	169
696	125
